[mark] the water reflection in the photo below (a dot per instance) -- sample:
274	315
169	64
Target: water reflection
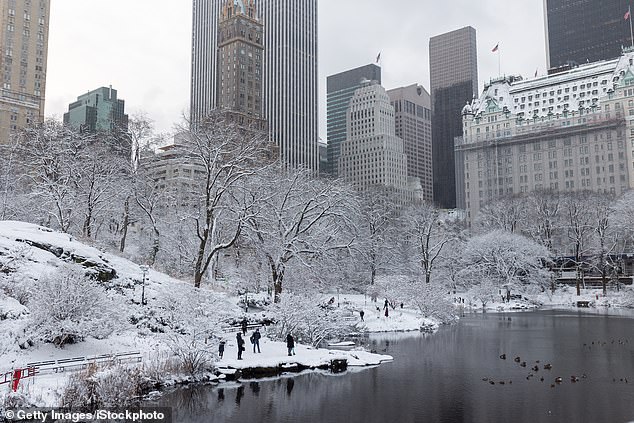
290	383
454	376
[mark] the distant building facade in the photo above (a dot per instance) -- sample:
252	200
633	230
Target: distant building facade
372	156
339	90
570	131
454	82
97	110
582	31
412	107
289	72
24	41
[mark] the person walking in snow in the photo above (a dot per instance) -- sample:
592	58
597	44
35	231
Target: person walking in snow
290	344
361	313
240	342
386	307
221	349
244	326
255	340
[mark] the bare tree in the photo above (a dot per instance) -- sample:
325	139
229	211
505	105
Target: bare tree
377	241
606	240
48	157
505	259
302	219
544	217
506	213
429	233
579	227
225	154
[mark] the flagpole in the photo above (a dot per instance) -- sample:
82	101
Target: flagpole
629	15
499	66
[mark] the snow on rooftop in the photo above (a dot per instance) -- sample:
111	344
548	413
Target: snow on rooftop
579	87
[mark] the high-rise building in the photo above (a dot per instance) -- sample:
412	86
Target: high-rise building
582	31
454	82
240	54
97	110
372	157
412	107
24	44
289	74
569	131
206	15
339	91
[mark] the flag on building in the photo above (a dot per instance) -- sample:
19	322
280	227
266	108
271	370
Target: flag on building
495	48
378	57
627	15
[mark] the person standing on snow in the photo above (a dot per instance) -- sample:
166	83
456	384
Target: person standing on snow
240	342
290	344
255	340
221	349
386	308
244	326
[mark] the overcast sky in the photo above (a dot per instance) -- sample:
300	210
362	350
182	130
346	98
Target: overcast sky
143	47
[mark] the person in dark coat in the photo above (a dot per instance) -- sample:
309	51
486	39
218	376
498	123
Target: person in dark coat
386	307
221	349
255	339
240	342
361	313
290	344
244	326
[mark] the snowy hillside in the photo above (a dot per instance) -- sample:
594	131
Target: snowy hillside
31	253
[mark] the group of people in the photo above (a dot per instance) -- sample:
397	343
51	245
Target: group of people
255	340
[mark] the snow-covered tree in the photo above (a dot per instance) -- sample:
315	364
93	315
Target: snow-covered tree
225	154
309	319
505	260
377	239
429	233
577	211
48	158
507	213
543	217
300	219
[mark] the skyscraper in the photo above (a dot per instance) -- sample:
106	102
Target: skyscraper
206	15
97	110
412	108
581	31
372	157
24	43
289	74
339	91
240	51
453	66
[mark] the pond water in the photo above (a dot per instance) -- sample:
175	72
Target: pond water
439	378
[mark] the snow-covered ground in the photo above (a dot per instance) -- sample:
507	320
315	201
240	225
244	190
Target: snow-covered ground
29	252
374	319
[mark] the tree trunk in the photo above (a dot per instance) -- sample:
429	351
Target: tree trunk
126	223
155	246
198	270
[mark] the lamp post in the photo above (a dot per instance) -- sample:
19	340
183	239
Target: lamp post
144	269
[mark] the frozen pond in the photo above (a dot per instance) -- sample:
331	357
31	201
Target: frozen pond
439	378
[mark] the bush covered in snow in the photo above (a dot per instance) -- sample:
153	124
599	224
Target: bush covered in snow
112	386
194	353
67	306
